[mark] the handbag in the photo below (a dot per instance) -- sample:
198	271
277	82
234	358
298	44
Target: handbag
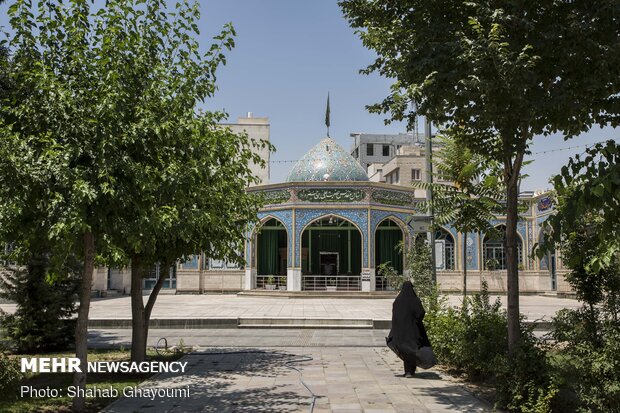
425	358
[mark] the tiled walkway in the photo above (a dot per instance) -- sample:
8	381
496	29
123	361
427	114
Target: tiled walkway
344	379
222	306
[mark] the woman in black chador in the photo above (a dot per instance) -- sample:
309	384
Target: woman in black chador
407	333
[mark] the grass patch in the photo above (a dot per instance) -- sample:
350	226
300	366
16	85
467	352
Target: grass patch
59	381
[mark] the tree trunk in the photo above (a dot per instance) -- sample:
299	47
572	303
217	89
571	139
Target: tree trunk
512	265
152	298
138	336
465	265
81	327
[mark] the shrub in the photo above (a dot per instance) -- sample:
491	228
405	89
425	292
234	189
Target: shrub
590	362
45	296
524	382
391	276
467	339
472	340
420	266
589	337
10	376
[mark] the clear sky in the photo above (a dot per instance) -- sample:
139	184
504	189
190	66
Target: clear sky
290	53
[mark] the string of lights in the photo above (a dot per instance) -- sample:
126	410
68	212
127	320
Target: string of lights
589	145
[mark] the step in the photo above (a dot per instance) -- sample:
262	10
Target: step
318	294
283	322
172	323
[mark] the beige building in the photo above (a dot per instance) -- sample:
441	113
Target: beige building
407	166
256	128
371	148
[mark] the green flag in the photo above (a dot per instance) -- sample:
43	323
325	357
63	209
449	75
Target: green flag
327	114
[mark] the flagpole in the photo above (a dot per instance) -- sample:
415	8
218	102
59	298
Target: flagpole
327	115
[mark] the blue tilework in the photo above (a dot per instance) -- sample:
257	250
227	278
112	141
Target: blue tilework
357	216
376	217
327	161
286	217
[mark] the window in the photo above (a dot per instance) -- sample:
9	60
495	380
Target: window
494	251
370	150
444	243
392	177
152	274
386	150
415	175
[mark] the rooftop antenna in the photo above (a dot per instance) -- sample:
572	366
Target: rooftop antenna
327	115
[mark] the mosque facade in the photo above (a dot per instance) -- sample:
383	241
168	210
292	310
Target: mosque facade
328	228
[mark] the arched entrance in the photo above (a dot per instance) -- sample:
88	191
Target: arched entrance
331	255
494	250
388	239
444	246
271	254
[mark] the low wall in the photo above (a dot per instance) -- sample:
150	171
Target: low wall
529	281
188	281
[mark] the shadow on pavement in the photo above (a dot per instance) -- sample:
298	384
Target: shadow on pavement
105	339
455	395
427	375
244	381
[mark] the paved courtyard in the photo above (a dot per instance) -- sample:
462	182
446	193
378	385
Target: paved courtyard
233	306
343	379
253	370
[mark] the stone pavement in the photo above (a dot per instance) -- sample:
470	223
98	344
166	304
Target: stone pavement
270	338
223	306
344	380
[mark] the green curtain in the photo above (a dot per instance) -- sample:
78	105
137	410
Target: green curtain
386	248
336	241
268	252
356	253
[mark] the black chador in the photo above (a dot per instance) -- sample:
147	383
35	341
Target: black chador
407	334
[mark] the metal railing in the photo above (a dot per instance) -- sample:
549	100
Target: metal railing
278	280
331	283
381	284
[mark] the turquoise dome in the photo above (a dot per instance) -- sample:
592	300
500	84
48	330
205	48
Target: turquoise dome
327	161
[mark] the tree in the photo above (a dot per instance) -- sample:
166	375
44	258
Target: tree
585	227
182	179
200	204
471	199
419	268
503	71
53	130
4	59
44	290
587	186
420	262
589	336
96	134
